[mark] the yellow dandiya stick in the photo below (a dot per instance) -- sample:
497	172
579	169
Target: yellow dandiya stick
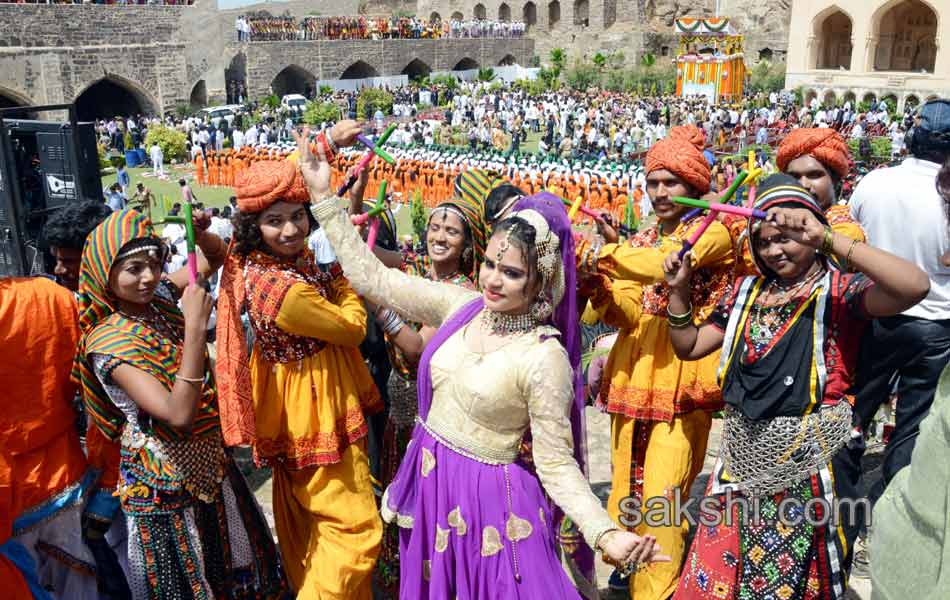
574	208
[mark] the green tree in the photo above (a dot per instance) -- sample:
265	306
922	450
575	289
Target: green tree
171	141
325	90
372	99
767	77
320	112
557	61
486	74
420	219
582	75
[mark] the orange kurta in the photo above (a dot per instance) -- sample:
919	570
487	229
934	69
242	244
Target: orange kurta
37	428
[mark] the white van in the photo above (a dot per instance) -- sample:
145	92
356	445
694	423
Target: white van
216	114
294	102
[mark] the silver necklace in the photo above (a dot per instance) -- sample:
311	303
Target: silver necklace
506	325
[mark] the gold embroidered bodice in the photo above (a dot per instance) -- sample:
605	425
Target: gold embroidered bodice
483	403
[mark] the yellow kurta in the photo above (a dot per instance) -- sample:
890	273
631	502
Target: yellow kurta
310	427
661	406
308	411
645	379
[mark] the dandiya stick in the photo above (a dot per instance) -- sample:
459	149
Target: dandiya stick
374	224
367	158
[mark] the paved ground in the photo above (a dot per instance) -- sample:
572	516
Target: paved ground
598	430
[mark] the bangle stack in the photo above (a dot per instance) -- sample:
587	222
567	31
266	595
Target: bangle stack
589	257
389	321
827	243
679	321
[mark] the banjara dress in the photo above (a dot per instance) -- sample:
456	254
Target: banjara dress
474	519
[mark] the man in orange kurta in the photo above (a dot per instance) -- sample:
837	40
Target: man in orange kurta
41	454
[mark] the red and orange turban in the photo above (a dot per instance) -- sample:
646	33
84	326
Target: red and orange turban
825	145
267	182
681	153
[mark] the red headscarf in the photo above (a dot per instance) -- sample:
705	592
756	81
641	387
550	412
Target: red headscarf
681	153
825	145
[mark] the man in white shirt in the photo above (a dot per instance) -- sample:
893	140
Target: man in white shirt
158	157
901	212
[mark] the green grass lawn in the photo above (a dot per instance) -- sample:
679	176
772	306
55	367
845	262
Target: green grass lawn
167	192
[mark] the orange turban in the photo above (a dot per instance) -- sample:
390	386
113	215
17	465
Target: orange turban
681	153
825	145
267	182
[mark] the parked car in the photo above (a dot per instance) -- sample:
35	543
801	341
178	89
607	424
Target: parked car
296	103
216	114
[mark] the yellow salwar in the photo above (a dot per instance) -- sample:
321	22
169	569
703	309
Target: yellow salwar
660	405
328	526
310	426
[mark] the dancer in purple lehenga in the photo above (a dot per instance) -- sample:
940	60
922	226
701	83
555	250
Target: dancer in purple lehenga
475	521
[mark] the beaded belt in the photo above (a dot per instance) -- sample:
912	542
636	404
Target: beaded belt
466	448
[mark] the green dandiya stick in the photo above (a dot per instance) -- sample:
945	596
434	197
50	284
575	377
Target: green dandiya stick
374	224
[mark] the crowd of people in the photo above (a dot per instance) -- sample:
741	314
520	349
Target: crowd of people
421	405
268	28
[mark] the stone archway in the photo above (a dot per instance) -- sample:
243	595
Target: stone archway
504	12
435	16
582	13
416	69
829	99
11	99
809	96
911	101
199	95
293	79
869	97
359	70
850	96
235	79
529	14
833	29
466	64
554	14
113	96
507	61
766	54
457	16
906	34
479	11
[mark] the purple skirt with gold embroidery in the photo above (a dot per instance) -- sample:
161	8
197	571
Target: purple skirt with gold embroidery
472	530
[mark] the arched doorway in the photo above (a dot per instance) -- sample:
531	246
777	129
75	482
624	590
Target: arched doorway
809	96
10	99
457	16
359	70
911	101
293	80
907	38
581	13
479	11
529	15
830	99
507	61
435	16
235	79
834	41
466	64
850	97
766	54
504	13
554	13
110	97
416	69
870	98
199	95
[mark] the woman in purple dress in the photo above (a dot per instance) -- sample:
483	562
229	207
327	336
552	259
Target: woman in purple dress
474	520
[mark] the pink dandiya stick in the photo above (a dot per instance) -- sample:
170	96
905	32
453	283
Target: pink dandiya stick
190	234
689	243
373	232
742	211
